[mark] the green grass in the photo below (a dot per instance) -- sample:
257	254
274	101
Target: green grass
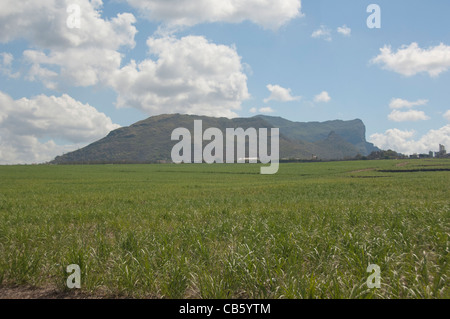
225	231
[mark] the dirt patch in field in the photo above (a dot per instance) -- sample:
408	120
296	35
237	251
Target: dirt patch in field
402	164
51	292
41	293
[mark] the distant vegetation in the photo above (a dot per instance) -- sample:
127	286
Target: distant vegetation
225	231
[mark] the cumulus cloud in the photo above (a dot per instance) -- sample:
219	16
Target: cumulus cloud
322	33
407	116
25	122
261	110
266	110
401	103
270	14
44	24
28	149
404	142
411	60
76	56
189	75
278	93
77	67
323	97
344	30
447	115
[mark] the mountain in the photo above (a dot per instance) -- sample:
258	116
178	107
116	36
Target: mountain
353	132
149	141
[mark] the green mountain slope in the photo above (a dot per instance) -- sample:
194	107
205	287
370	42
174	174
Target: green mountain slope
149	141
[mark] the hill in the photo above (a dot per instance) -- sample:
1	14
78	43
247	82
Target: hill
149	141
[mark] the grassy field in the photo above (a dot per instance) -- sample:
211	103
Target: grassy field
225	231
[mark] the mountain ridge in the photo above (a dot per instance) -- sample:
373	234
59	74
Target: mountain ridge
149	140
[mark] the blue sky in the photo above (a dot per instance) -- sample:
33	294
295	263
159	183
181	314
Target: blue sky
62	88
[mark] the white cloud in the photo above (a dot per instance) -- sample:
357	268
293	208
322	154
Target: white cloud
190	75
408	116
44	25
61	55
78	67
344	30
400	103
6	60
447	115
270	14
322	33
278	93
266	110
261	110
323	97
404	142
25	122
28	149
411	60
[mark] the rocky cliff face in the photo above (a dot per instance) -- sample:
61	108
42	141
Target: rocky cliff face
353	132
